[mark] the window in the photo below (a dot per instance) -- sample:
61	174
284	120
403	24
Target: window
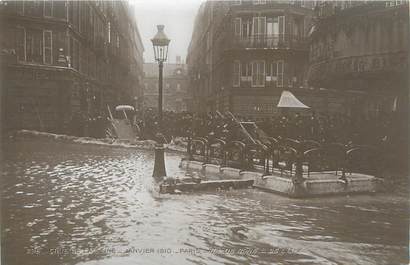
33	8
276	72
272	26
291	74
9	39
178	87
48	8
48	47
237	26
259	26
246	72
236	2
259	2
236	73
300	3
21	43
34	46
246	28
395	3
20	7
272	31
297	27
258	73
60	9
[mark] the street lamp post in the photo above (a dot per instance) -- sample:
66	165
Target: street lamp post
160	43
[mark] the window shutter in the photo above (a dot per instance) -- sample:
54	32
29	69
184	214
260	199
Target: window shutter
290	72
236	73
244	70
262	73
280	70
262	25
268	69
254	73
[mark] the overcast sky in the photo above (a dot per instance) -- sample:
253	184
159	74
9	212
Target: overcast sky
177	16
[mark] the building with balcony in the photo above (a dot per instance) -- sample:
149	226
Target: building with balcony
62	59
360	49
176	96
243	54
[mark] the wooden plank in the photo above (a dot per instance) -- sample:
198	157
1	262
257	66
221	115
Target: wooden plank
206	185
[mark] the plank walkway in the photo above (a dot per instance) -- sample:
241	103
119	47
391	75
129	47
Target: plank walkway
206	185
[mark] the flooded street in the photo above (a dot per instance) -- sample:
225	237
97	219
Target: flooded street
85	204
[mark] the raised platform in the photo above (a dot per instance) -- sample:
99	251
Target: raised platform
317	184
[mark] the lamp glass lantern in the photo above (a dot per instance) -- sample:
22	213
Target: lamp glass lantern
160	43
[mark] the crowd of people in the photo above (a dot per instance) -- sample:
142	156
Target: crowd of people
383	128
318	127
386	129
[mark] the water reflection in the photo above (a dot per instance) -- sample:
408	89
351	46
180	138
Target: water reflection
84	204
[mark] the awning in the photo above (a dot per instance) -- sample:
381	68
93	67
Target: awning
288	100
124	107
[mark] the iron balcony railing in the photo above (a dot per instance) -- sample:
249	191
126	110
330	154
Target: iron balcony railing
269	41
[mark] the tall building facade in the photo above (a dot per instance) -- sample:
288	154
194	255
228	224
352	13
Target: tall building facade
66	58
344	57
176	95
360	48
243	54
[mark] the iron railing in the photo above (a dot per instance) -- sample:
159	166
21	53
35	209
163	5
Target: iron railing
292	158
269	41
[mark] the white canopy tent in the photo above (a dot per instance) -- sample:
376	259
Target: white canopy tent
124	107
288	100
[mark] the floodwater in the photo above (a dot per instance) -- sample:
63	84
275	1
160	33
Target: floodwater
85	204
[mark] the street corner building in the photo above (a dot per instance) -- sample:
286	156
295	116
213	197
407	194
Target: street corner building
361	50
348	57
243	54
65	60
